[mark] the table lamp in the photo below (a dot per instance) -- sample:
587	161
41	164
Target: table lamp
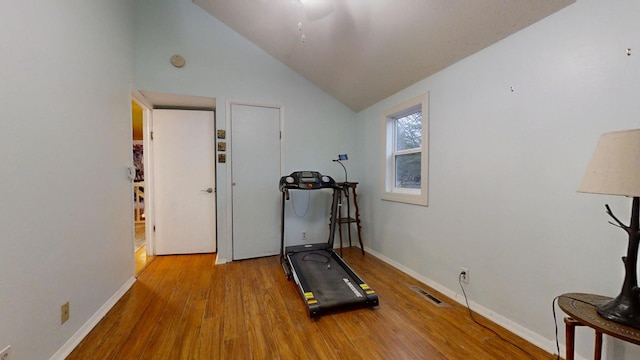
615	170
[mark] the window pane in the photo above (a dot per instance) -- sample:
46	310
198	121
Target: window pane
409	131
408	171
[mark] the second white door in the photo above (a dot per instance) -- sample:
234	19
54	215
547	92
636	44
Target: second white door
255	135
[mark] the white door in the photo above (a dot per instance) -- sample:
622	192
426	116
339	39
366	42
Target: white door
255	141
184	175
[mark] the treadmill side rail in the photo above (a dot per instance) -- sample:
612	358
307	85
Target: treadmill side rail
313	307
372	297
286	266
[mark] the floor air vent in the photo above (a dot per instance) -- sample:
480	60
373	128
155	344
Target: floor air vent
428	296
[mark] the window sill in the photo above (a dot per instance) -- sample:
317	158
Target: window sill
412	199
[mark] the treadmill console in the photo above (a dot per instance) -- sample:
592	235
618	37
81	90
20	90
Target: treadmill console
306	180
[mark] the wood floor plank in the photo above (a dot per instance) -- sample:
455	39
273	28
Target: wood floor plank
211	338
215	300
400	335
163	338
337	340
234	324
237	348
260	339
185	307
142	331
282	333
120	321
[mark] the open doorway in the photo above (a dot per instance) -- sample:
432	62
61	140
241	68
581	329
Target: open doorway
140	204
148	104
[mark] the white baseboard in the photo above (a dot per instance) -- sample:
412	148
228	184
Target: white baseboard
530	336
84	330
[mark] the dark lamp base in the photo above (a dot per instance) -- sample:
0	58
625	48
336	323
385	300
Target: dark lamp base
622	312
625	308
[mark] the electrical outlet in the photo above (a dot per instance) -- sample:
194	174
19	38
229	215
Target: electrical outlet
304	235
4	355
464	275
64	313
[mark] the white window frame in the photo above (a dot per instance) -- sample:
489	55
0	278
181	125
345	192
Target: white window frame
390	191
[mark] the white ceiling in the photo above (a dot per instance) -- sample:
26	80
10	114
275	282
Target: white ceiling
362	51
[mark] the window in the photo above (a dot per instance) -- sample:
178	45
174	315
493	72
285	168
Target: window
406	153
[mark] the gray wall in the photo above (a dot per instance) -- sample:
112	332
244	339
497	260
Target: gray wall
65	143
505	166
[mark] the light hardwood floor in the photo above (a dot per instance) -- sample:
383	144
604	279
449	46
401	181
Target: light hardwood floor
142	260
185	307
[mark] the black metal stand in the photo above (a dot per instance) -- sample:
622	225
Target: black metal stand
345	170
625	308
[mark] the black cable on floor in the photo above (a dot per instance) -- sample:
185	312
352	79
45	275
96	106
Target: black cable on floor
484	326
555	318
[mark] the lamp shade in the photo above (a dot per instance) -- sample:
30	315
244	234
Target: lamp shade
615	166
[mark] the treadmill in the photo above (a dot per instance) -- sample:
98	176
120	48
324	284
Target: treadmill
326	282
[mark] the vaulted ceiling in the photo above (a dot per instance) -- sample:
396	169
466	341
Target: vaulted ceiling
362	51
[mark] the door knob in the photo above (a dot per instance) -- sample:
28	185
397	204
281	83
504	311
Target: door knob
209	190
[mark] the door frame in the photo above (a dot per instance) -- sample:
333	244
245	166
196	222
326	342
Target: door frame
147	126
229	161
150	100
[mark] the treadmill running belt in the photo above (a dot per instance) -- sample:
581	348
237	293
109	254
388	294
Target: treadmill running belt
332	285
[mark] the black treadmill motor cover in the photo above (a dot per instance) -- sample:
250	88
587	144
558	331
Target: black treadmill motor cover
306	180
